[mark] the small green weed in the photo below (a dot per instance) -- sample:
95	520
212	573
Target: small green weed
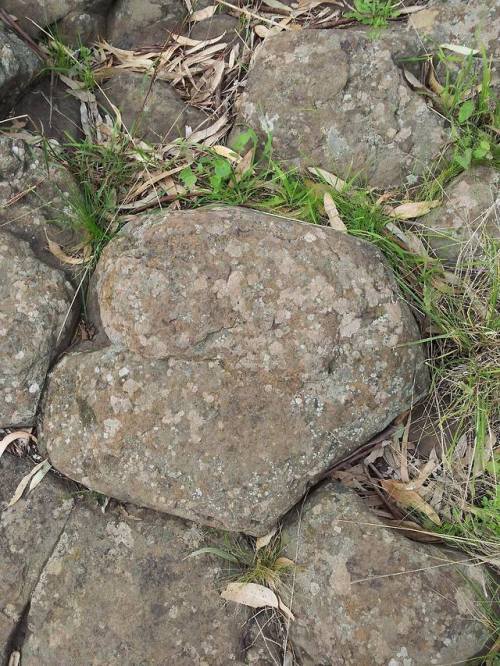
74	63
265	566
376	13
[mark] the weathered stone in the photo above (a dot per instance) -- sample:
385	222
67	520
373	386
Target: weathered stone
29	530
473	23
51	111
337	100
119	590
351	610
250	352
35	320
135	23
33	15
82	28
155	112
34	199
18	64
470	211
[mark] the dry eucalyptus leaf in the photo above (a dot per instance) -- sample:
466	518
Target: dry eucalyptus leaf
336	182
461	50
11	437
263	541
58	252
202	14
43	468
255	596
399	492
333	214
226	152
413	82
413	209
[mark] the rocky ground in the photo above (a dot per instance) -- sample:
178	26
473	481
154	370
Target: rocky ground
184	375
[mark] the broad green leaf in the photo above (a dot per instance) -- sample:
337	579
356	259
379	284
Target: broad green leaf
466	111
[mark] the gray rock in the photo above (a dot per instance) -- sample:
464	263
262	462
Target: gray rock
336	99
36	318
136	23
473	23
470	212
350	610
79	27
35	194
249	353
33	15
51	111
18	65
119	590
29	531
154	112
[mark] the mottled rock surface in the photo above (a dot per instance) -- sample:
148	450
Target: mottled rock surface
29	531
18	64
350	611
153	112
337	100
51	110
471	23
248	353
34	198
82	27
35	300
471	209
135	23
119	590
32	15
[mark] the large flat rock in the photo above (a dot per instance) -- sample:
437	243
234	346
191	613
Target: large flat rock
365	595
247	353
29	531
118	590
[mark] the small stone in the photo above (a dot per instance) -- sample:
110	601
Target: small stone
469	214
18	65
368	611
254	358
34	15
51	111
154	112
136	23
35	319
35	199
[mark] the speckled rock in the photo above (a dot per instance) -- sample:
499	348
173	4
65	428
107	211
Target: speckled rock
337	100
35	300
33	15
82	27
471	23
18	64
51	110
118	590
248	353
350	611
29	530
135	23
471	209
34	199
153	112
